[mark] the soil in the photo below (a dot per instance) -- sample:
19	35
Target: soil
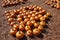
51	32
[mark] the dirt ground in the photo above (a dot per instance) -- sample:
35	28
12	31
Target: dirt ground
52	32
